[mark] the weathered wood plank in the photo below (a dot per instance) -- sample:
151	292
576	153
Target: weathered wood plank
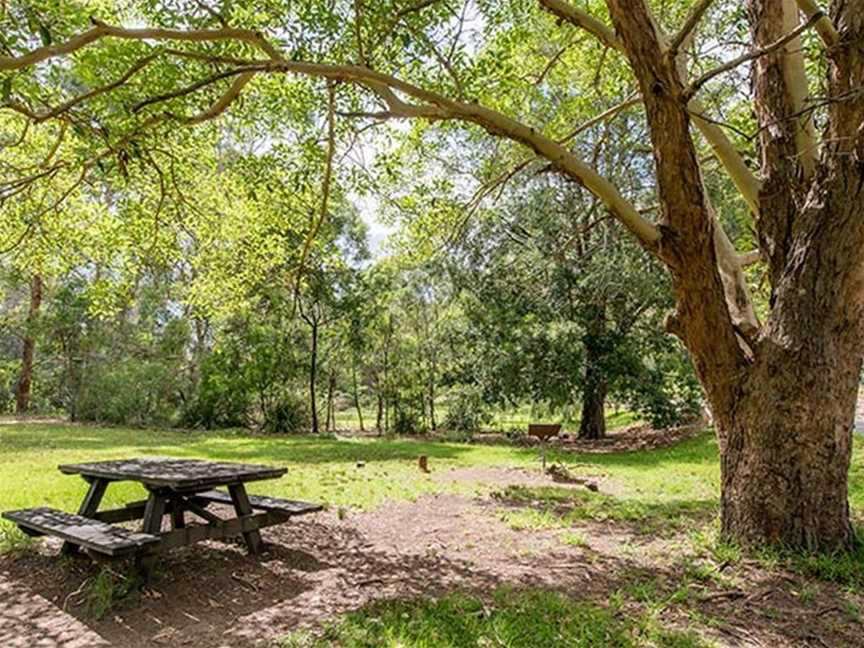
262	503
86	532
88	507
228	529
244	508
177	474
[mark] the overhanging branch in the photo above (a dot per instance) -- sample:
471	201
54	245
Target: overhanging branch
753	54
429	104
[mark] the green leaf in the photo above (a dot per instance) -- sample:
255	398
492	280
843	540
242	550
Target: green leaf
45	34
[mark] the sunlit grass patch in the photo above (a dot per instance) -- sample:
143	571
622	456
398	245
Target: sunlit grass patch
12	539
516	619
560	506
575	539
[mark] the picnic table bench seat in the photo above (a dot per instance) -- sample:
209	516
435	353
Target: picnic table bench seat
91	534
262	503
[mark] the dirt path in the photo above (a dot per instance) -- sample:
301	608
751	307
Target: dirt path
213	595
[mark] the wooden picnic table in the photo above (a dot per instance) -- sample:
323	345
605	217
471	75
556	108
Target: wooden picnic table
176	487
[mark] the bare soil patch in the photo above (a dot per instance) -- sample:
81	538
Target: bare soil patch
639	436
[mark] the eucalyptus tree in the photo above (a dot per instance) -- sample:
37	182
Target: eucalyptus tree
781	387
565	308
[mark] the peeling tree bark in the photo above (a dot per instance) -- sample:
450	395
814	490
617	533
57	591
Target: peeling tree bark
782	395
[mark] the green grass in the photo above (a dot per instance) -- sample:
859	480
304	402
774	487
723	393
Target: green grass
550	507
323	468
528	618
657	490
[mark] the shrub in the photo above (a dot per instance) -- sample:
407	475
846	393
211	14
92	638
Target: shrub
408	420
468	412
289	415
223	398
127	392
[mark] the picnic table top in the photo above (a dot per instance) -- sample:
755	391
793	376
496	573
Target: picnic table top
170	472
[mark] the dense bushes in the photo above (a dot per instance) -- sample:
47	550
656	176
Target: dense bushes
467	411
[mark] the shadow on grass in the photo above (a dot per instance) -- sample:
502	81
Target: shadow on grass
700	450
559	507
240	444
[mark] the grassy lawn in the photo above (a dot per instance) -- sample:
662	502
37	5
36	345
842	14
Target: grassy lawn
326	469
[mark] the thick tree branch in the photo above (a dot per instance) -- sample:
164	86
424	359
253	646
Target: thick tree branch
431	105
799	88
824	26
740	174
102	30
697	248
753	54
690	24
568	13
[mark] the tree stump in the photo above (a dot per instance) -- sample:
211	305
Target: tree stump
423	463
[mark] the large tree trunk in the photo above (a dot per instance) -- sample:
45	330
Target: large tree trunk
25	380
593	423
787	442
783	393
785	452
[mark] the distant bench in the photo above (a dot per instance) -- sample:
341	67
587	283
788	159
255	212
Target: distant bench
543	431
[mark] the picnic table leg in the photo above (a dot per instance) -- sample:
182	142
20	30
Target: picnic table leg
152	524
243	507
178	517
88	508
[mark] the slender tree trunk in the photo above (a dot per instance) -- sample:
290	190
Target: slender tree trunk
357	395
331	415
379	416
432	419
313	376
25	380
